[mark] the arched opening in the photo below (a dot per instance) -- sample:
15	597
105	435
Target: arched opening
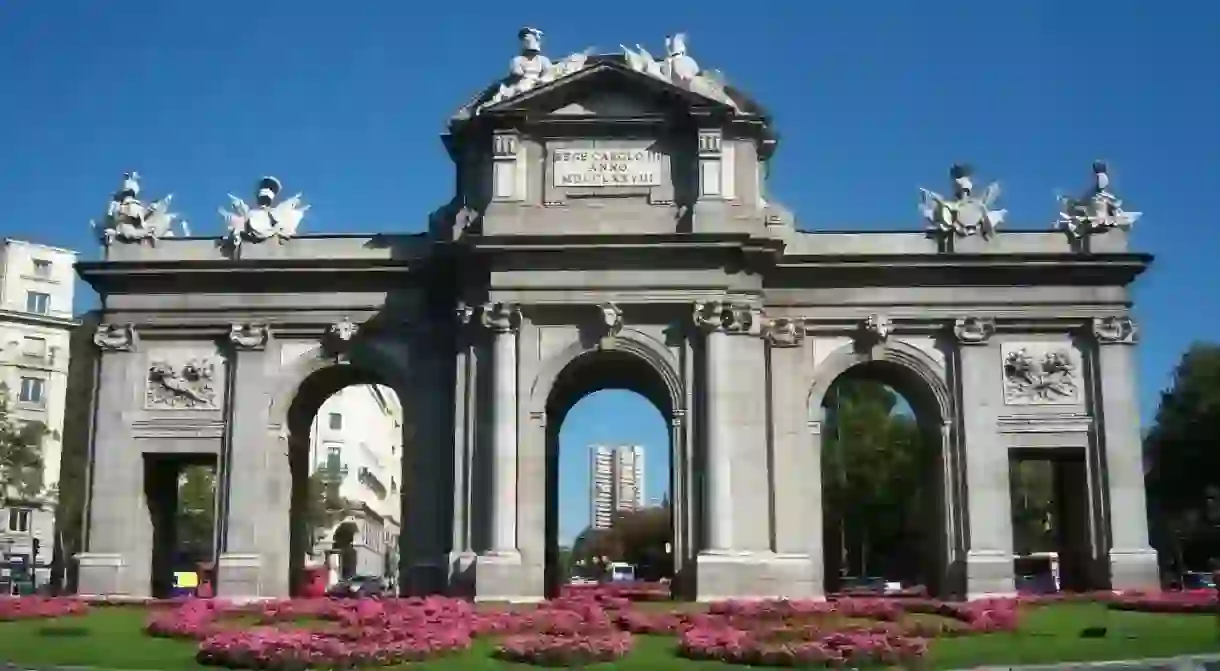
610	476
883	482
345	437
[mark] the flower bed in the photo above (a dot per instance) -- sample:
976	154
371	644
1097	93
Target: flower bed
583	626
1191	601
564	650
37	607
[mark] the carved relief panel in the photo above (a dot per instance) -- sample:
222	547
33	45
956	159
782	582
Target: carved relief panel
180	379
1041	373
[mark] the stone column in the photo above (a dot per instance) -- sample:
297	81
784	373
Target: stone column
714	319
498	573
1133	562
118	537
988	508
255	529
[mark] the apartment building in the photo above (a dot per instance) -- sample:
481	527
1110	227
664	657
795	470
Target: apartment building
36	323
616	482
357	437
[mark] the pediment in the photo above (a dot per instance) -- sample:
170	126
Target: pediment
605	88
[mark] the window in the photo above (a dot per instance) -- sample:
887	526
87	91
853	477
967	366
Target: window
42	268
35	347
335	421
37	302
32	389
334	458
18	519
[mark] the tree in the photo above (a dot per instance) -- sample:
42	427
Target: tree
874	479
20	453
325	507
196	511
1182	450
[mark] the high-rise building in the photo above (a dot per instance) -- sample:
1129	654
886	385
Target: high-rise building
36	323
616	482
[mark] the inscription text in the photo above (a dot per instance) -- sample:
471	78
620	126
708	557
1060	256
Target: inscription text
605	167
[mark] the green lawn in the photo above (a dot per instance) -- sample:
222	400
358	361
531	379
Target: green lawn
112	638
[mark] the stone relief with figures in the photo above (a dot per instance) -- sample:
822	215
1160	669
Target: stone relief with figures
1041	373
185	384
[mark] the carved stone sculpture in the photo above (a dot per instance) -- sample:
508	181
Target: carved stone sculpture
876	328
612	324
1117	329
973	330
784	332
338	339
721	316
115	337
185	386
531	68
500	317
965	214
129	220
249	336
268	218
1038	378
679	69
1097	210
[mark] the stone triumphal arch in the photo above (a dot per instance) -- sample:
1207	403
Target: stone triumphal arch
611	227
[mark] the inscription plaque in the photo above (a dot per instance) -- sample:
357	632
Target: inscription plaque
583	168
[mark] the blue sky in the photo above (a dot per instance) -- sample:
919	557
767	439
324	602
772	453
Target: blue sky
344	101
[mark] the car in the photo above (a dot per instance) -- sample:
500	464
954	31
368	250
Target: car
357	587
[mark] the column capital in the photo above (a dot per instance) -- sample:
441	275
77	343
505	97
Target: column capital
973	330
1115	330
500	317
116	337
249	336
728	317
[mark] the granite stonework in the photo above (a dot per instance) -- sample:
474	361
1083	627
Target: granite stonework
611	228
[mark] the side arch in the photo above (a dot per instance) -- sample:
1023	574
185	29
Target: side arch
630	342
913	370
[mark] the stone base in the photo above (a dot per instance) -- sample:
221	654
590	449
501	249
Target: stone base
757	575
1134	569
423	578
102	575
238	576
461	573
503	576
989	575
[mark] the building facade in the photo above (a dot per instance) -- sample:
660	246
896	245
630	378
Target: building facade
356	437
36	322
611	228
616	482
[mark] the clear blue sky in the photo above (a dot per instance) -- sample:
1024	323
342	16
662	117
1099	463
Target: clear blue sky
344	101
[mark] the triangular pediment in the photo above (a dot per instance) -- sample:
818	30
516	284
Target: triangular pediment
605	88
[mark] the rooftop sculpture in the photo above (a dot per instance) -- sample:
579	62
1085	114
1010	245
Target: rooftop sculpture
965	214
128	219
1097	211
679	69
268	218
531	68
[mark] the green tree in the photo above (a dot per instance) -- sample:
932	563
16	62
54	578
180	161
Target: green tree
20	453
325	507
874	479
196	510
1183	449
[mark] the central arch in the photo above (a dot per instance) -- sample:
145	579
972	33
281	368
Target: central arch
633	362
918	378
305	384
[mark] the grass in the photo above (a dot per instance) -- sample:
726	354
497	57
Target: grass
112	638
